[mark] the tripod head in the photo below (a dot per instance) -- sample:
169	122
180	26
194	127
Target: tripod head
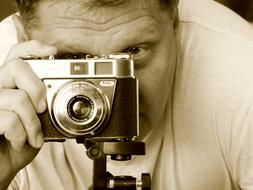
119	151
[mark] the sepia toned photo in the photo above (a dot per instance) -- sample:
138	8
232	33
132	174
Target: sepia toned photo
126	95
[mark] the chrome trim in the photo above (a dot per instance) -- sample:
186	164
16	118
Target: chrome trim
100	96
121	68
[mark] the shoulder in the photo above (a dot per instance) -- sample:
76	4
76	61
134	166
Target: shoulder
215	71
213	32
216	51
214	84
8	36
212	16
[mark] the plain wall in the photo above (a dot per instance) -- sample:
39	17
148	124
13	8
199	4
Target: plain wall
7	7
242	7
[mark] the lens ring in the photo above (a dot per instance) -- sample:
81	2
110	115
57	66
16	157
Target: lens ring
88	92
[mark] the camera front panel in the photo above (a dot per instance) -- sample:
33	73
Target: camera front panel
79	107
121	122
94	97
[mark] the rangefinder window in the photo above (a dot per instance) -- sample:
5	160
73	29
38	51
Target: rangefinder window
77	68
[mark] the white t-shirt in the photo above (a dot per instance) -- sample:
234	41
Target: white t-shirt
207	144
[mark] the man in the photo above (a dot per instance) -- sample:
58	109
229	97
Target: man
144	29
200	138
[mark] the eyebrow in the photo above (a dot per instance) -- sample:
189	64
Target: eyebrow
146	33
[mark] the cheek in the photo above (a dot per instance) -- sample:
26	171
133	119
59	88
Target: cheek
156	80
154	85
154	93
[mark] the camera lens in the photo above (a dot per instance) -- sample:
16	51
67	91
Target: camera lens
80	108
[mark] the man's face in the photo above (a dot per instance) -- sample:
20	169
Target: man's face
139	29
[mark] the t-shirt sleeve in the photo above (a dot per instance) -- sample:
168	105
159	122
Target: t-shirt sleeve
14	184
236	139
214	93
8	37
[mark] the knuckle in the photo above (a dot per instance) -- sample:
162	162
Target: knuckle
14	47
13	51
15	64
10	71
20	137
39	86
35	43
38	92
35	126
41	89
21	97
14	130
12	121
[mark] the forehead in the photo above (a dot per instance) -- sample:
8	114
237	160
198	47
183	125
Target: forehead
94	12
67	23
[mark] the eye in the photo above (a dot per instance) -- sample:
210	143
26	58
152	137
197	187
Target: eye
73	56
137	52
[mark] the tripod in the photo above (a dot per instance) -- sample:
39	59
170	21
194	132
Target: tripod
118	150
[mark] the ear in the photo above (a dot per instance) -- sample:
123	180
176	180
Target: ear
21	33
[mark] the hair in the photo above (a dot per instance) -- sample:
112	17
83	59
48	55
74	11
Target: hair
28	8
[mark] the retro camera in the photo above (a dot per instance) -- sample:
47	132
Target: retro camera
95	101
93	97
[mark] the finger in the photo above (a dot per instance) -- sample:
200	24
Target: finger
11	127
32	48
18	74
18	102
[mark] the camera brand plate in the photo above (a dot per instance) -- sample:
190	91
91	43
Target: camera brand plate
107	83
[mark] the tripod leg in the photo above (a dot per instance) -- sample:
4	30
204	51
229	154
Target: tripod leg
99	173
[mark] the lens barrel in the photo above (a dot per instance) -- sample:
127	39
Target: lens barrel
80	108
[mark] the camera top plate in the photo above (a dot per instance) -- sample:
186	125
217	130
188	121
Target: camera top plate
115	65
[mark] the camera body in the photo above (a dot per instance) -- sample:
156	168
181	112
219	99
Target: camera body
89	98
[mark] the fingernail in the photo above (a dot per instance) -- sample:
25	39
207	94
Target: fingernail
40	140
42	106
50	48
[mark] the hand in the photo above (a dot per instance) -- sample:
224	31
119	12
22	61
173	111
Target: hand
22	97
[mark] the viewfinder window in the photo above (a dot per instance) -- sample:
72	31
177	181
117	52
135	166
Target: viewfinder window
103	68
